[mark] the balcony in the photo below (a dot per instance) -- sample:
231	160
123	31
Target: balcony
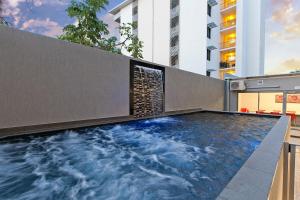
227	65
135	18
227	4
174	31
228	24
175	12
228	44
174	50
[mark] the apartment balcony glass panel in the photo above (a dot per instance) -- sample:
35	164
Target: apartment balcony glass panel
212	2
174	50
228	3
174	31
175	12
228	24
174	21
135	18
228	44
174	3
227	64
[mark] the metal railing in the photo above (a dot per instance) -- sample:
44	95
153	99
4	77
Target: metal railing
289	171
228	44
174	50
228	24
174	31
227	64
227	4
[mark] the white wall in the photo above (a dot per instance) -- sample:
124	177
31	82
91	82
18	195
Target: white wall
250	37
215	41
161	43
126	17
193	40
249	101
267	102
145	26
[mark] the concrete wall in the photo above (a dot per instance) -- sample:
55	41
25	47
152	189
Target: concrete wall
186	90
47	81
44	80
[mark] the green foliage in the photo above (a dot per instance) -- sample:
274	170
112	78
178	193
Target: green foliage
91	31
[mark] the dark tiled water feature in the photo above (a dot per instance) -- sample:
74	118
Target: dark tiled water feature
147	95
183	157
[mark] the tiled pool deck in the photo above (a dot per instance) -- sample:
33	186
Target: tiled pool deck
297	185
296	132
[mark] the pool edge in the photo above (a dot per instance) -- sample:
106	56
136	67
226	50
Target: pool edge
256	178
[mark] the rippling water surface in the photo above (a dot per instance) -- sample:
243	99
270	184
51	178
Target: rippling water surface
183	157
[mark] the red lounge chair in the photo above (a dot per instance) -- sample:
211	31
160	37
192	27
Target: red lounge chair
244	110
293	117
260	112
275	113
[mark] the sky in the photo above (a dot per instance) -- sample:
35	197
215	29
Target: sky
48	17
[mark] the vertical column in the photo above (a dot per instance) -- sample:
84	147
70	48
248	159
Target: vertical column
284	103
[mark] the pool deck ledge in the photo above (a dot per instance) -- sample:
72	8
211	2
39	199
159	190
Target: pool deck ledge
256	177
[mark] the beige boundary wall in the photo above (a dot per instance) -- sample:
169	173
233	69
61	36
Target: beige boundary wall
47	81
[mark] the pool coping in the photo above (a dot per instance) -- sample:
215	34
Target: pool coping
53	128
255	178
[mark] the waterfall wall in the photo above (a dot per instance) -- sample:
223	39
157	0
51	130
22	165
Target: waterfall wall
147	91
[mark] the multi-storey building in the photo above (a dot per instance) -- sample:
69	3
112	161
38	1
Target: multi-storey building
209	37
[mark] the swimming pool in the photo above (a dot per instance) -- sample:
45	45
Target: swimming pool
190	156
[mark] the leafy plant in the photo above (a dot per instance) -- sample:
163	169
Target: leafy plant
89	30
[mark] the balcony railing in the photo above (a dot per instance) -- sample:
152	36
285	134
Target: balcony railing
228	24
175	12
228	44
227	65
227	4
174	50
174	31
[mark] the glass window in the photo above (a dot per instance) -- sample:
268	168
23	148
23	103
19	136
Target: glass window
209	10
293	103
271	102
248	102
208	32
208	54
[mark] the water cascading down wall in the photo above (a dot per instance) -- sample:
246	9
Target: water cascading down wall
147	90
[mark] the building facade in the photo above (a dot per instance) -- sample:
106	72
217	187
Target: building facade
209	37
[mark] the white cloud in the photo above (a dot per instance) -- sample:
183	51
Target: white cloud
43	26
287	17
12	8
286	66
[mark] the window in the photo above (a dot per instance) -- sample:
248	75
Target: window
209	10
135	10
174	41
208	32
208	73
174	60
174	3
174	22
208	54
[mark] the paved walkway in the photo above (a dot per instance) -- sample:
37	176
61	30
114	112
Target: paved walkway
296	132
297	184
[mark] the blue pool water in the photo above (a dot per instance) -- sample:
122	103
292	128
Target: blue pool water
183	157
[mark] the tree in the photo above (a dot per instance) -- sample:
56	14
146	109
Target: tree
89	30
